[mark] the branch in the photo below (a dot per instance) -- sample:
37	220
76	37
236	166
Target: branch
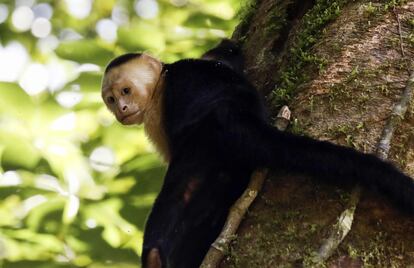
399	30
236	214
339	230
397	115
343	226
238	210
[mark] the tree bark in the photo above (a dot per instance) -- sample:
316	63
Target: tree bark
341	66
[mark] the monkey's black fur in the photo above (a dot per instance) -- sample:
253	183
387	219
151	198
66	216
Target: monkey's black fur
218	134
227	52
121	60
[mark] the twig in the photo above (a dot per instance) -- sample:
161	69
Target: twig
399	31
239	209
397	115
399	109
343	226
340	229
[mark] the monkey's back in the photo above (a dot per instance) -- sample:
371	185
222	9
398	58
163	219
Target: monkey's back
194	89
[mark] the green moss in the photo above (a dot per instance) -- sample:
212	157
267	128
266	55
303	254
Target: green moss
392	3
297	128
245	14
347	132
291	76
246	10
370	9
323	12
277	19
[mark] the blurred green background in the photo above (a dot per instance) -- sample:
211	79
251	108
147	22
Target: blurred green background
75	185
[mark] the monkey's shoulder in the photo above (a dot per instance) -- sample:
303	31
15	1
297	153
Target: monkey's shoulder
206	81
195	89
203	72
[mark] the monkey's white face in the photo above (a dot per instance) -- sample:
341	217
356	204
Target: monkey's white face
127	89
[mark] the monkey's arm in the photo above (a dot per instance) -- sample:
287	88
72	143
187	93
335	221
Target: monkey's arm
165	215
191	208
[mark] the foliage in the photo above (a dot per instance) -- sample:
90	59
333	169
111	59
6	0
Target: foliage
75	185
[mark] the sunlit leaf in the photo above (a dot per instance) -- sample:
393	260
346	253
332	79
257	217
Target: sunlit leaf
118	186
143	201
16	146
126	142
71	209
77	244
26	244
202	20
29	204
36	217
106	214
89	81
14	101
7	215
49	183
141	37
143	162
84	51
56	211
112	235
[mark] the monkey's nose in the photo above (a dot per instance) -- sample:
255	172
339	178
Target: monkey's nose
123	107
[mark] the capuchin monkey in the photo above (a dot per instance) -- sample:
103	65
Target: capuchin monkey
209	123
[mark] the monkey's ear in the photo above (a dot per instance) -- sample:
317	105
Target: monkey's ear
155	63
154	259
146	55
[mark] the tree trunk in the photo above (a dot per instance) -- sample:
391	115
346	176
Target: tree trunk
341	66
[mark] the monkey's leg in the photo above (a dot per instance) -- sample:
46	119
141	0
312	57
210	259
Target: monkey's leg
221	245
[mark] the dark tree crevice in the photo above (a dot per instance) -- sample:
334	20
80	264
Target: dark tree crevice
295	11
265	34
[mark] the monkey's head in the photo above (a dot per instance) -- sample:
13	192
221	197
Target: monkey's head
128	85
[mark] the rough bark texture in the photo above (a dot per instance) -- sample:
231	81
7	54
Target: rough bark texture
339	66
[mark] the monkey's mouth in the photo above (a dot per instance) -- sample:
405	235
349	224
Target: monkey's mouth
133	118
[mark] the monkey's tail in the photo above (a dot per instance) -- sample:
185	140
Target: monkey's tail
333	162
265	146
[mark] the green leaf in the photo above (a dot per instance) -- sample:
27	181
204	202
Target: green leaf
7	211
143	162
139	37
89	81
14	101
115	137
71	209
107	214
202	20
27	245
84	51
36	217
119	186
112	235
19	152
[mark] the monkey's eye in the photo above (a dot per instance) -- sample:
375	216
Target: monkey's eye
126	91
110	99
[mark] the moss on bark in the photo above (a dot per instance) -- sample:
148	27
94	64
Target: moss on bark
339	67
